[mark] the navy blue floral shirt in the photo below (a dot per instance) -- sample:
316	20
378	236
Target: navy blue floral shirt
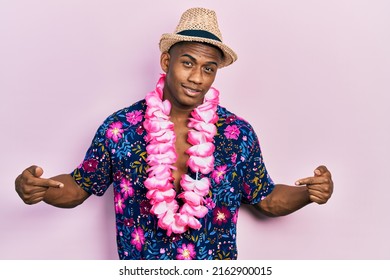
117	156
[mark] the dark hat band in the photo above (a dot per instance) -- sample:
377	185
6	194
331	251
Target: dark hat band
199	33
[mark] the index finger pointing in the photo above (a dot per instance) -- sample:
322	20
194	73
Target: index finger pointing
49	183
312	181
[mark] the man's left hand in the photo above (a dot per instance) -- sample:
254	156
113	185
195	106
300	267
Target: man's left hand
320	186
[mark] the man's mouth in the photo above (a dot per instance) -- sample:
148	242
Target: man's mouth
192	91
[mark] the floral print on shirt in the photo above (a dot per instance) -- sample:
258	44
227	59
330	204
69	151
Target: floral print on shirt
117	157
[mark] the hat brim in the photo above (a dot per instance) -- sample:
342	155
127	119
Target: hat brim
168	40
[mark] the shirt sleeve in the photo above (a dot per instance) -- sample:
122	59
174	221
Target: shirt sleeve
257	183
94	174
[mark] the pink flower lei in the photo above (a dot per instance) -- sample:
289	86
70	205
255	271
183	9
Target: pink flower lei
162	155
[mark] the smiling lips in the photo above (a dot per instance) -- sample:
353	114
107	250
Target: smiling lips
191	91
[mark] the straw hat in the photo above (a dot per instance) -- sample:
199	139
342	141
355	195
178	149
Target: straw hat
198	25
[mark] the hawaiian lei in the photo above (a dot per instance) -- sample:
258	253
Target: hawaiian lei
162	155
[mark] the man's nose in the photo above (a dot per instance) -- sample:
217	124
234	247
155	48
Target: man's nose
196	76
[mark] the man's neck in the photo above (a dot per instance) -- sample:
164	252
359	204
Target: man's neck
179	112
180	115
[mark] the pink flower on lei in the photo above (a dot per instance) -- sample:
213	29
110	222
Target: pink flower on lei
126	188
138	238
119	203
186	252
134	117
115	131
232	132
219	174
162	155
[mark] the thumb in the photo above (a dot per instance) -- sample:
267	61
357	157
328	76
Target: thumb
36	171
317	172
320	170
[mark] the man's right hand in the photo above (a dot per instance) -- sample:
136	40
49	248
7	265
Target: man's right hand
31	187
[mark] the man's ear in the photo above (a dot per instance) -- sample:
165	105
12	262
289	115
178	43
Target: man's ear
164	61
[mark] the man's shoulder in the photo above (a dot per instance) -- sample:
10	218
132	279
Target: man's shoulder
227	117
233	132
135	108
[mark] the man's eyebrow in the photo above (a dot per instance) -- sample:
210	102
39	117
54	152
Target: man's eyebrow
194	59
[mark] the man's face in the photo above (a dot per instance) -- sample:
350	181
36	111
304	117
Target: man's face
191	69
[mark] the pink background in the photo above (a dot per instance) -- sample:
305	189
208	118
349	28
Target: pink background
312	78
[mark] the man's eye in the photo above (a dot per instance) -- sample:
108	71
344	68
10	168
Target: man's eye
209	69
187	63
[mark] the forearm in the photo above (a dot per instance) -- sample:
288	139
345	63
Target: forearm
284	200
69	196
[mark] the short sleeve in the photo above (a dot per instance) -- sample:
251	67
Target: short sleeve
94	173
257	183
